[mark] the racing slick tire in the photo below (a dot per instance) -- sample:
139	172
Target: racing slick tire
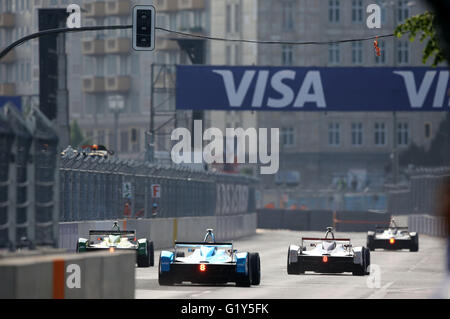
367	266
294	268
255	264
414	246
245	280
163	278
361	270
151	252
147	260
370	241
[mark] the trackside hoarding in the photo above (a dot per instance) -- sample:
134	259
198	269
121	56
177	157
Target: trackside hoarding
15	100
312	89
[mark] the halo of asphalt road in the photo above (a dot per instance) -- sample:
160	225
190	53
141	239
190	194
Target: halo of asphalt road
402	274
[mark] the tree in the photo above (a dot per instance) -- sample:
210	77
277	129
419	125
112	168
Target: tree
76	135
423	25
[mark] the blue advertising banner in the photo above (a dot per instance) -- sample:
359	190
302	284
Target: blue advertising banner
312	88
15	100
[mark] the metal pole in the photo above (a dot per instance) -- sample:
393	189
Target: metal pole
151	142
116	129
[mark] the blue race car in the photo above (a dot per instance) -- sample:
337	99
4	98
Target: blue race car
208	262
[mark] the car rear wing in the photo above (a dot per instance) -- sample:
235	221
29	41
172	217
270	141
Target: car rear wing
111	232
391	227
325	239
198	244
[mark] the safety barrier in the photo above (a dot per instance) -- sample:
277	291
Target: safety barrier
69	276
320	219
164	231
428	225
28	179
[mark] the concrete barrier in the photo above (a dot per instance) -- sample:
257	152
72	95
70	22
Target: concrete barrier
69	276
318	220
163	231
428	225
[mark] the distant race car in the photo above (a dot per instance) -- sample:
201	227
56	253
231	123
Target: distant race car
328	255
393	238
208	262
117	239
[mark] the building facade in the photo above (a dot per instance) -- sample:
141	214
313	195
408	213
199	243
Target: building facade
317	148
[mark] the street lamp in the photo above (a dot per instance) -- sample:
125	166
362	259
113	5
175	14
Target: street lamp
116	104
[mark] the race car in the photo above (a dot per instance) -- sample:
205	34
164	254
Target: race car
208	262
117	239
327	255
393	238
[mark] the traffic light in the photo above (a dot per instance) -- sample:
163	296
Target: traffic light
144	28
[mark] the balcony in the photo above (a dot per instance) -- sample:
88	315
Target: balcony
9	58
118	46
164	44
191	4
95	9
166	5
118	84
7	89
94	84
7	20
118	7
93	47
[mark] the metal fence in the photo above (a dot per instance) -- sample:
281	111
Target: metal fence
423	194
28	171
93	188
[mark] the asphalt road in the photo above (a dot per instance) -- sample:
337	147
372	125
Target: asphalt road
401	274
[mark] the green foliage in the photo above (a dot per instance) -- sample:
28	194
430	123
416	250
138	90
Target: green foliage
423	25
76	135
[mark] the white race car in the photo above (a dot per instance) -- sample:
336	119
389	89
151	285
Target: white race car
393	238
328	255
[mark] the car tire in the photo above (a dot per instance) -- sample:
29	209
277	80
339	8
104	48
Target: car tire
255	263
294	269
143	261
163	278
360	270
151	253
367	264
245	279
370	242
414	246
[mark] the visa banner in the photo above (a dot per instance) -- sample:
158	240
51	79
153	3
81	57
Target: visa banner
239	88
15	100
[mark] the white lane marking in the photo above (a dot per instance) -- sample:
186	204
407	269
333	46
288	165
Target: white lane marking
412	268
382	292
201	293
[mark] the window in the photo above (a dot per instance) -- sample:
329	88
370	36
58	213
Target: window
357	11
287	55
101	137
382	4
124	141
427	130
380	134
288	15
237	18
357	134
198	19
228	18
237	54
334	134
184	20
228	54
402	11
403	52
111	61
287	136
333	10
402	134
382	58
357	52
334	53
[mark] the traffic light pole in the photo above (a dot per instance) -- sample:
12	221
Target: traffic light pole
39	34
